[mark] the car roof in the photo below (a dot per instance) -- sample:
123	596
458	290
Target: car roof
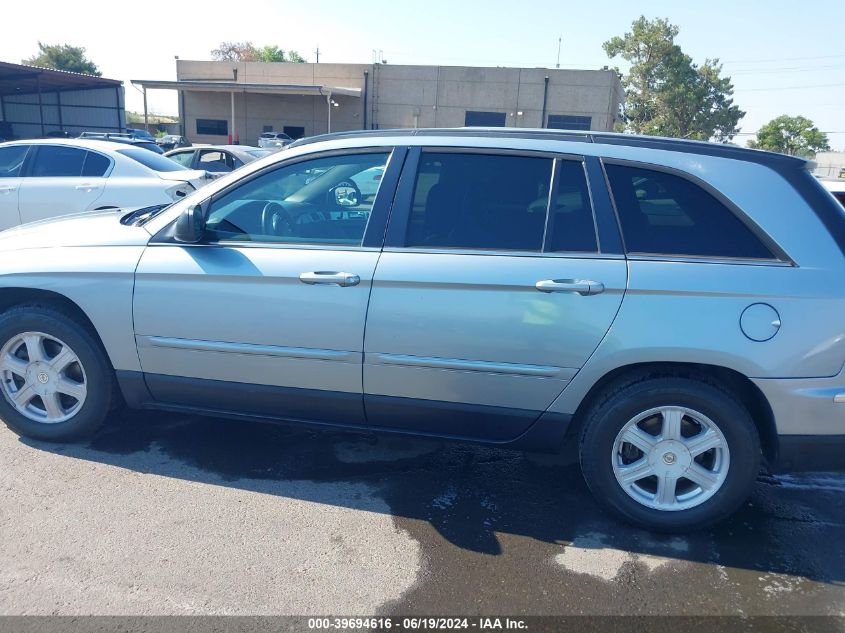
419	136
85	143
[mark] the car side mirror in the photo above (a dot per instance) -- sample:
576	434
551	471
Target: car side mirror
345	196
190	226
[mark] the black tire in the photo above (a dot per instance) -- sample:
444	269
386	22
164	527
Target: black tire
621	403
99	376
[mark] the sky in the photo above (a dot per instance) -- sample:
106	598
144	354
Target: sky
784	57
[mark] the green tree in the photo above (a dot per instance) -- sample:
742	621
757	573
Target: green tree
63	57
248	52
666	93
793	135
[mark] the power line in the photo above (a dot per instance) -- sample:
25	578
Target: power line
787	88
780	59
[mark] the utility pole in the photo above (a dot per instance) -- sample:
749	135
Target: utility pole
559	41
317	53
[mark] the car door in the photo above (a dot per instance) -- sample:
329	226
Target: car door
58	183
492	291
12	158
266	315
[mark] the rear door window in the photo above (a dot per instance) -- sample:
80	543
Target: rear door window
11	160
56	161
665	214
480	201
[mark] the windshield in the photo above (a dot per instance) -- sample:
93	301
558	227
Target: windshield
153	161
258	153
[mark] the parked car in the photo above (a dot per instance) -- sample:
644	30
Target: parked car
46	178
172	141
837	188
368	181
141	135
670	309
217	159
274	140
119	137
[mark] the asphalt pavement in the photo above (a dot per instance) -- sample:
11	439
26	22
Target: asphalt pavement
174	514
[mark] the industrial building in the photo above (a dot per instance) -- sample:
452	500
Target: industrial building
220	100
38	101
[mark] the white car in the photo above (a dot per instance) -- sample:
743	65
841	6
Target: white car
50	177
274	140
836	187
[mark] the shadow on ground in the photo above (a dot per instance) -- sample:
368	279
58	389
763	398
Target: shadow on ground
478	499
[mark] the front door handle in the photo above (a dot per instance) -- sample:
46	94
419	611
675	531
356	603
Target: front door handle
7	188
583	287
329	278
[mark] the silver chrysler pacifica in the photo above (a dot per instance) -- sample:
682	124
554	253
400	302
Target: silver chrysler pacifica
673	310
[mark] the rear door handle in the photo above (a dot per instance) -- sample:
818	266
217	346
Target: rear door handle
329	278
7	188
583	287
89	187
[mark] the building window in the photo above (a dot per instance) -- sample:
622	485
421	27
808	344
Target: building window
568	122
267	128
294	131
484	119
214	127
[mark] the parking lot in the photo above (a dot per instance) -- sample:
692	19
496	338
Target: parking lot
171	514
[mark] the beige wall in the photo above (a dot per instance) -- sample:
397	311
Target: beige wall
397	96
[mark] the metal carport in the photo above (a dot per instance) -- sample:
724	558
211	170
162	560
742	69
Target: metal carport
35	101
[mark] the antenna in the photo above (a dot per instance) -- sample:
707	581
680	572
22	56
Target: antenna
559	41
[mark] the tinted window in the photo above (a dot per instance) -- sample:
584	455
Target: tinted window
480	201
217	127
572	227
840	196
11	160
484	119
311	202
666	214
156	162
96	165
58	161
567	122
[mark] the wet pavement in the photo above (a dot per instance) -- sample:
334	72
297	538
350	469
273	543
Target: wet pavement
174	514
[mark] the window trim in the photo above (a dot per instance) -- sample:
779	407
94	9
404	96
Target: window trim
373	236
403	201
780	256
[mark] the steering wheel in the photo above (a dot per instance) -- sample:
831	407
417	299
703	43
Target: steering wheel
275	220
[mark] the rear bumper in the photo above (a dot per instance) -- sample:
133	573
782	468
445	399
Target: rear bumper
809	416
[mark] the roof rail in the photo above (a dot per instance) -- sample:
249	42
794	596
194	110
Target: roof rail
722	150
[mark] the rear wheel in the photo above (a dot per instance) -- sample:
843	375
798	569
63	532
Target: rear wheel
54	379
670	453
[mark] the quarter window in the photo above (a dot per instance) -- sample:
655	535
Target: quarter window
480	201
319	201
662	213
96	165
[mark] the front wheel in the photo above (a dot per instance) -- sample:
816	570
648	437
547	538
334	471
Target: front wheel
670	453
55	381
